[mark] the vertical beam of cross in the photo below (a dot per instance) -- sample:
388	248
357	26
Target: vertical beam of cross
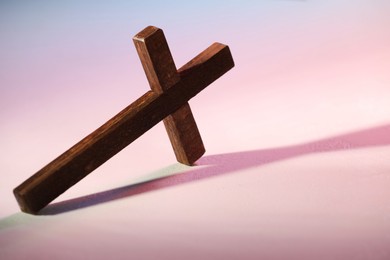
161	73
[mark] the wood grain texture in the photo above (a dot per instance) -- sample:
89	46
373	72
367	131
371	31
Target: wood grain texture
161	73
156	59
95	149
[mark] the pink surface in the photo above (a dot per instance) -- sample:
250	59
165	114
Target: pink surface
297	134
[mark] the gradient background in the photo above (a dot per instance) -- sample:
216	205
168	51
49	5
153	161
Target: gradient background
297	134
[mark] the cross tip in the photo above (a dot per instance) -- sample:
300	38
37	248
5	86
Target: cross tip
220	47
145	33
190	158
23	205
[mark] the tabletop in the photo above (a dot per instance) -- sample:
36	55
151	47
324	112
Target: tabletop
297	134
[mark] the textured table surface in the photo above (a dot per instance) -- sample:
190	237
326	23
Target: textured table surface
297	135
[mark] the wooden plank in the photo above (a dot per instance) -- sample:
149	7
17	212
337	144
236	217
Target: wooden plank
184	135
95	149
156	59
161	73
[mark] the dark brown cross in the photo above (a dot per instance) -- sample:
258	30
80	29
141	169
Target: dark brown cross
168	101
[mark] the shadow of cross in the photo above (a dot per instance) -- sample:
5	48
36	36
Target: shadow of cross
168	101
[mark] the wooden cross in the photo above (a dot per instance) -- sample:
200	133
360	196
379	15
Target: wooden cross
171	90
